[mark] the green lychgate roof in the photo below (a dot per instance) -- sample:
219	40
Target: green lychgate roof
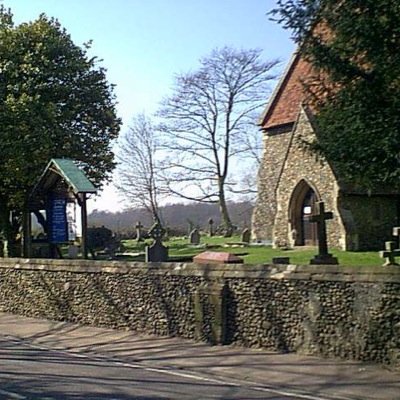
72	175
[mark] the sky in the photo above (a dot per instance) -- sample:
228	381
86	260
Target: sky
144	43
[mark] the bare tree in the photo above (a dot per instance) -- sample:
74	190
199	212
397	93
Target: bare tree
138	166
206	121
245	183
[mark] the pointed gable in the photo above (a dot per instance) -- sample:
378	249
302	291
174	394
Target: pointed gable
283	107
62	169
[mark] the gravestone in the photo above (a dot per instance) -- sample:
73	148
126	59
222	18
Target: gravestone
190	226
139	232
194	237
3	247
97	239
390	253
215	257
211	227
111	247
73	251
323	257
396	233
245	238
281	260
157	252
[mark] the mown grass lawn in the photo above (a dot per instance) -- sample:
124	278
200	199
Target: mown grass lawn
253	254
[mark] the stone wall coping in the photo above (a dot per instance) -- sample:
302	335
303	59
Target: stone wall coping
244	271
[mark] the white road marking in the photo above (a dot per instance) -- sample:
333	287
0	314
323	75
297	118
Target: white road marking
11	395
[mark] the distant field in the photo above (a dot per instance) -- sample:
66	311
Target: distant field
253	254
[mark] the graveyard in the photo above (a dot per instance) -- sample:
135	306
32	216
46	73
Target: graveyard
156	245
181	249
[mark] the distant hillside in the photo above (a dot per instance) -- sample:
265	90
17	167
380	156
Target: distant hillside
177	217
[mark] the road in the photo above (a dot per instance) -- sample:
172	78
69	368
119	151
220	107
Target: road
31	372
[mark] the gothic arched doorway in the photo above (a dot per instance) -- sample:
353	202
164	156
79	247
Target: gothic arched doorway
302	206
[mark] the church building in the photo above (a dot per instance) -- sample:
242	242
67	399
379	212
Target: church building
291	180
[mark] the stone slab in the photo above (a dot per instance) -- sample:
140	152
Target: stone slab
281	260
215	257
325	259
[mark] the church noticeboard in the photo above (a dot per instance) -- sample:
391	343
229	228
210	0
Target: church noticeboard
57	220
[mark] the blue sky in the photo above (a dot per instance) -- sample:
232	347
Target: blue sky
143	43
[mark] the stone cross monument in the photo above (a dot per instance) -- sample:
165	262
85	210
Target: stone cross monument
323	257
157	252
396	233
389	254
211	227
139	232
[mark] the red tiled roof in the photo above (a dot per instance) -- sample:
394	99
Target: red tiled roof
284	105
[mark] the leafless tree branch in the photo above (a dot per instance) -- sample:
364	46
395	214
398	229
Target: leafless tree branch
138	168
205	122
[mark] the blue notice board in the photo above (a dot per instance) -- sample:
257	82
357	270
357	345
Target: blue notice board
57	221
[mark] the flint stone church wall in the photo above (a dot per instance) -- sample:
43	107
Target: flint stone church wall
275	149
301	164
333	311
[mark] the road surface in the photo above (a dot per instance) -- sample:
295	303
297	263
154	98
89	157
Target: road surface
32	372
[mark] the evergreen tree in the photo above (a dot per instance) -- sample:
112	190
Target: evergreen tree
55	101
355	92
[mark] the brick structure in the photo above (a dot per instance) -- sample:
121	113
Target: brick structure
291	180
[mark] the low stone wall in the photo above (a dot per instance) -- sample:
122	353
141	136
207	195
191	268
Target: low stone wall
333	311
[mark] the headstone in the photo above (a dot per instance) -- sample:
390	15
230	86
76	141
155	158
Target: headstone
157	252
139	232
323	257
228	231
194	237
112	246
3	248
396	233
389	254
211	227
73	251
281	260
245	238
190	226
215	257
40	250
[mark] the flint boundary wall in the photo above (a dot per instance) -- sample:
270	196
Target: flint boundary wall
330	311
